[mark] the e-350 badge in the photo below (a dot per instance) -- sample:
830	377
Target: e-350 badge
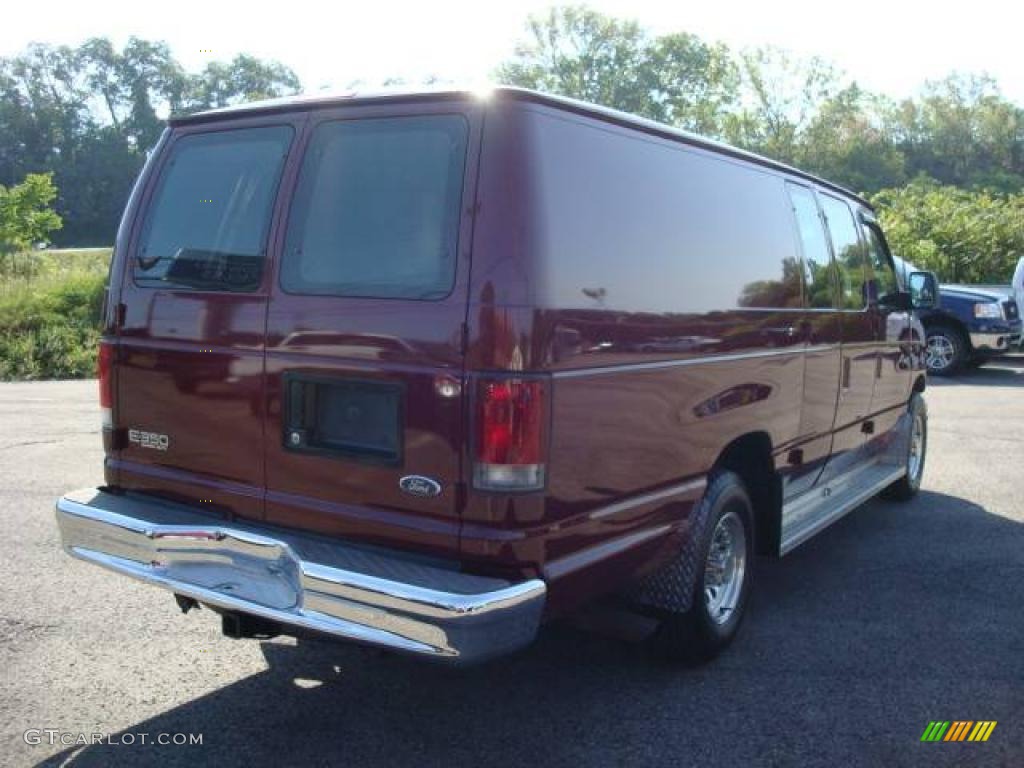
153	440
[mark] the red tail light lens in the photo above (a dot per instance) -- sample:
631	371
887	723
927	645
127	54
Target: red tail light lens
511	436
105	372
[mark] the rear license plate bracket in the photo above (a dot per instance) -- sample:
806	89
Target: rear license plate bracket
342	417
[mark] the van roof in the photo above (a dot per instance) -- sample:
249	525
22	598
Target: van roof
606	114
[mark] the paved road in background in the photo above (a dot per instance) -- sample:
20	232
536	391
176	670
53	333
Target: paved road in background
897	615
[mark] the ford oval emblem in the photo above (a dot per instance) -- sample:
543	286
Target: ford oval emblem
418	485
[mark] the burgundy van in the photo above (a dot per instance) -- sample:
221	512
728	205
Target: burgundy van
423	371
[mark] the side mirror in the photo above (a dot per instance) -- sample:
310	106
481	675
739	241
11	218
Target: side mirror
924	290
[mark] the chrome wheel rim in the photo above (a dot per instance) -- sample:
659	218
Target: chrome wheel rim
915	461
725	567
940	353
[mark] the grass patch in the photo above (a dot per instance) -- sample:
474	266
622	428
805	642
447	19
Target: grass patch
50	313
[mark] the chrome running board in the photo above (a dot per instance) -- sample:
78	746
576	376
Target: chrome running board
819	507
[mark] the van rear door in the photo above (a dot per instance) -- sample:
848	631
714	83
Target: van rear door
364	435
193	303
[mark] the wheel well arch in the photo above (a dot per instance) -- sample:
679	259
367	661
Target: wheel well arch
750	457
952	323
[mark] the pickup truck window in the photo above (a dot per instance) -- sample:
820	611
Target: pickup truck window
376	211
849	251
207	224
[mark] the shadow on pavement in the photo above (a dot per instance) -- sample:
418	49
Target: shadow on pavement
1015	360
897	615
1009	372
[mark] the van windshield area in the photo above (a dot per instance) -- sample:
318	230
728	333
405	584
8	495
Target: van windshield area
207	225
376	211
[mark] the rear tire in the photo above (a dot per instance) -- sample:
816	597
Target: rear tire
720	595
907	486
945	349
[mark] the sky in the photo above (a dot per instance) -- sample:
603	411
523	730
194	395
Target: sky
890	46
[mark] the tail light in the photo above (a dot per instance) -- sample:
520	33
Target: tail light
510	449
105	372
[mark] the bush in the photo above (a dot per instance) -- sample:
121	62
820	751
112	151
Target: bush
50	321
25	213
965	236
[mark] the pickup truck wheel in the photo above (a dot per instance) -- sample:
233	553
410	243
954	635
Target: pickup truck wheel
719	599
945	350
907	486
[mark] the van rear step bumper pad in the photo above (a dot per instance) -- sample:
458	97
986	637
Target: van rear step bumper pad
367	596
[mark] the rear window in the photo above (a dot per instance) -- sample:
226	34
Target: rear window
376	211
207	224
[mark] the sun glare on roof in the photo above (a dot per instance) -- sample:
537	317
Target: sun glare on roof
483	91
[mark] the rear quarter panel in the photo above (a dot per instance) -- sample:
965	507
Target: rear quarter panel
639	412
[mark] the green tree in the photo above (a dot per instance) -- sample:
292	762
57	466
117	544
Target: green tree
845	142
133	84
43	109
780	96
244	78
964	236
694	84
577	52
89	114
961	131
25	213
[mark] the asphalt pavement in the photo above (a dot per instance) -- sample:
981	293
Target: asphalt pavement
897	615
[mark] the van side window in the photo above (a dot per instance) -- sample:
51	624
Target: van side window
635	225
207	224
782	291
817	259
849	251
376	210
884	277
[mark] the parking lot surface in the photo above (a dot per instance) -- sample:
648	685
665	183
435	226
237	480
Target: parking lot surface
898	615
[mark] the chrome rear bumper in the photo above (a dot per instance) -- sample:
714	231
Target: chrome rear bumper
364	595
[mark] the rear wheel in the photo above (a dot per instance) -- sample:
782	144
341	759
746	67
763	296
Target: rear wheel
719	599
907	486
946	350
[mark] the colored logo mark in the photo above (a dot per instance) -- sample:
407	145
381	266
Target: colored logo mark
958	730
